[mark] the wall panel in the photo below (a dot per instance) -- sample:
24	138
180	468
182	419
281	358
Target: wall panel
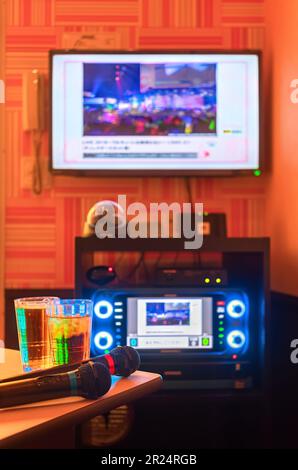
40	229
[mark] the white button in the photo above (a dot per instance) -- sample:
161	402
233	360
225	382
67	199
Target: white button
106	307
236	339
103	340
220	309
236	308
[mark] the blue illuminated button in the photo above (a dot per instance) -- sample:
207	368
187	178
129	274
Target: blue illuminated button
103	309
133	342
236	308
236	339
103	340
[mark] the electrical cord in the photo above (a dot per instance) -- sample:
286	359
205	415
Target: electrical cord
37	173
188	186
136	266
125	280
158	260
146	271
79	43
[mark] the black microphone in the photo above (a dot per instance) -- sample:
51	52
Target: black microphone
90	380
122	361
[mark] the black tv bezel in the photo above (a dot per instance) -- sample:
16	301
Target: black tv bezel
154	172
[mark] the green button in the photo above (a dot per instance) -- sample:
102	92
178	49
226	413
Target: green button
205	341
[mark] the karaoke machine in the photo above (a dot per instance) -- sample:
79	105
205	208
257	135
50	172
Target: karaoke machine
201	321
206	335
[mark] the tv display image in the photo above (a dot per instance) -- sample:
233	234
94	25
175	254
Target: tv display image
149	99
166	313
168	113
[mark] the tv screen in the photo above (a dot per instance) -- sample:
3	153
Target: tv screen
168	113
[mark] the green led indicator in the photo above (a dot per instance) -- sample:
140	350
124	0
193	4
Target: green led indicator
220	342
257	172
205	341
221	336
107	351
212	125
221	329
221	322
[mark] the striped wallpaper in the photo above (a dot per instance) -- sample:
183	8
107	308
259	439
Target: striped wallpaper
40	230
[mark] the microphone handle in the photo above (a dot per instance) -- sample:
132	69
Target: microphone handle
55	370
40	389
120	361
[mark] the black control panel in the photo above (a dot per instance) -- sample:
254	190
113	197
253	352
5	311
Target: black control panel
182	333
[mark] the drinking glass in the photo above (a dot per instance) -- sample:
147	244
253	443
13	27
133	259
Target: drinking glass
33	331
69	324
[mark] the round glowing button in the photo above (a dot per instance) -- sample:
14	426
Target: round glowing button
236	308
103	340
103	309
236	339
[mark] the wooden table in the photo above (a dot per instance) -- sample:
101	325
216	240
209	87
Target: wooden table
51	424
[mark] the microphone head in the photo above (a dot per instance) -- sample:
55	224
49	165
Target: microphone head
95	380
127	360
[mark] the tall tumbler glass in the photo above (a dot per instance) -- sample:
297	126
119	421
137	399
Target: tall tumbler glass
69	324
33	331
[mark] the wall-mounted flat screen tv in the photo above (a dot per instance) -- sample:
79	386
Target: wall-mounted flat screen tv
154	113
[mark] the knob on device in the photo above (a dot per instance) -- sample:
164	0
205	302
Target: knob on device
103	309
236	339
103	340
236	308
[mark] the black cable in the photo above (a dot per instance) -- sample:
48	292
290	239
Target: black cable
146	272
124	281
80	41
118	263
37	172
157	262
177	254
187	180
136	266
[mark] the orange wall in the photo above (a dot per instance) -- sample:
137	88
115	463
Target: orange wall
2	169
282	18
40	230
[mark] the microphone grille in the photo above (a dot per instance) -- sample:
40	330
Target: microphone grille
95	380
127	360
